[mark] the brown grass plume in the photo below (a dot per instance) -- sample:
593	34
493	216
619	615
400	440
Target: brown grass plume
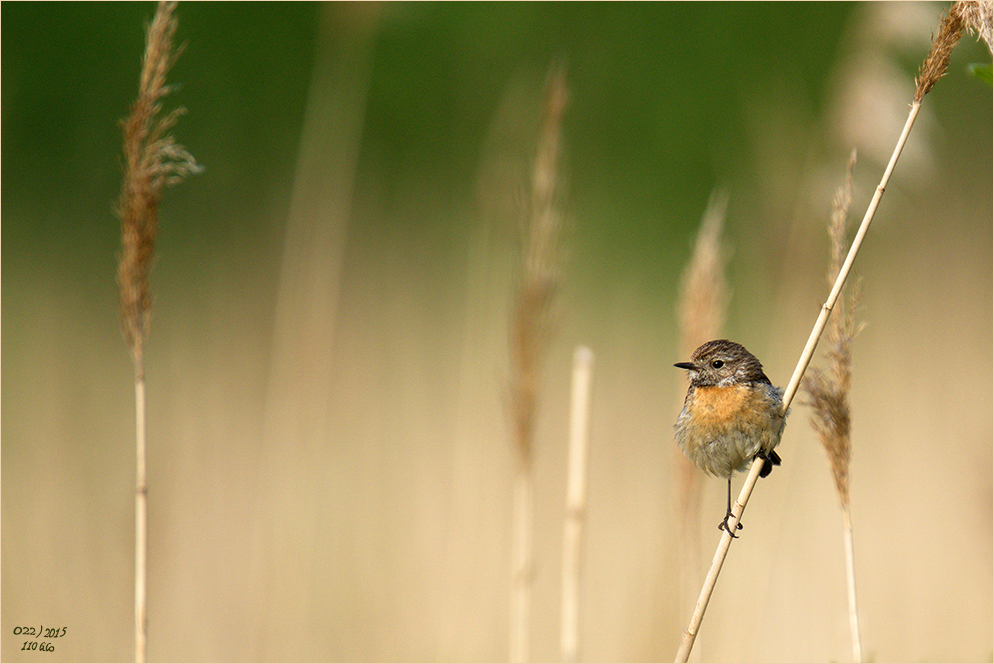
937	61
828	391
540	233
530	334
701	309
152	160
978	17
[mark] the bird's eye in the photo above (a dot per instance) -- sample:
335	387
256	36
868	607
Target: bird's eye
717	364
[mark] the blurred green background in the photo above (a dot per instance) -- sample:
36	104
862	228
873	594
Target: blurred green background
329	457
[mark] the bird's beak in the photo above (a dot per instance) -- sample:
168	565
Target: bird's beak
686	365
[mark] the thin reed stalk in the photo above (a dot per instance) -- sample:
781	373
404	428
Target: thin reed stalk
152	161
701	309
521	562
530	335
933	68
829	392
850	554
576	501
141	522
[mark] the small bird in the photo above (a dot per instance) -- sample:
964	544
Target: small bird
732	414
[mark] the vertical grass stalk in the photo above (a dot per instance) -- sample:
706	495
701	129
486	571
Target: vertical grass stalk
850	554
829	392
576	501
701	309
530	335
152	161
141	519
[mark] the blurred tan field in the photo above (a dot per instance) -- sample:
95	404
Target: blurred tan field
330	456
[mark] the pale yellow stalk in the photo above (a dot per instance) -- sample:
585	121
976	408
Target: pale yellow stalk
152	161
576	501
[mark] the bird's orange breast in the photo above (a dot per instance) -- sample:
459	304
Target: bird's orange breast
745	406
721	403
721	429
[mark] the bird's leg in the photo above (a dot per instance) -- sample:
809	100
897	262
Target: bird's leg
770	459
724	523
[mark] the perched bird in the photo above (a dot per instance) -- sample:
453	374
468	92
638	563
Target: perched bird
732	414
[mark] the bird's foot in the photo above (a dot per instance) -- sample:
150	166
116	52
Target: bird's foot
727	528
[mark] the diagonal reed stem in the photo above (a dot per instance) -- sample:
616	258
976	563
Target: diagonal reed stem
690	634
826	310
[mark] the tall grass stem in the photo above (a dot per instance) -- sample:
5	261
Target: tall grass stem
828	391
141	517
701	310
576	500
850	553
531	332
152	161
521	564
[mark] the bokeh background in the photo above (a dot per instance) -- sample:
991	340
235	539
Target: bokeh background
330	461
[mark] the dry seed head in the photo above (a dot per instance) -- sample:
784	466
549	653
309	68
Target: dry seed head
830	419
978	17
703	288
701	309
828	392
152	161
937	60
839	222
541	231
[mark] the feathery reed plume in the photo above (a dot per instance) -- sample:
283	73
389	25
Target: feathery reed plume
152	160
703	288
978	17
931	70
937	61
541	230
829	391
701	308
